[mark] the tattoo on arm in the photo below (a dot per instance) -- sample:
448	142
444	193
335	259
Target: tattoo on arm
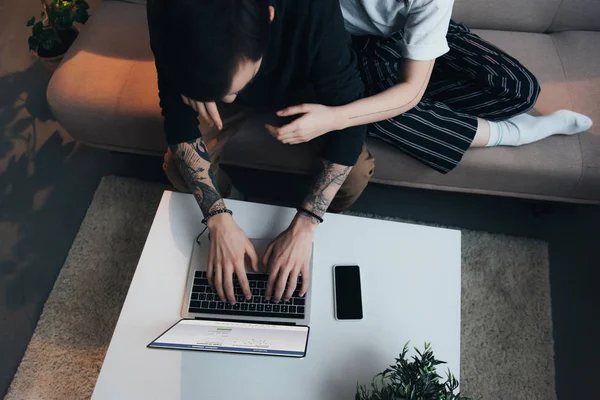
328	181
193	162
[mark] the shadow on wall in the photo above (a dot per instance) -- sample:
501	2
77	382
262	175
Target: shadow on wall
37	168
22	101
31	223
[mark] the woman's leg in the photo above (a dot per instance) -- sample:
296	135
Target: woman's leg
477	78
431	132
524	129
438	131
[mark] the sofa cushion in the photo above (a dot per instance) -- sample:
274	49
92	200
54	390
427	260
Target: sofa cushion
515	15
105	91
577	15
538	53
547	169
580	56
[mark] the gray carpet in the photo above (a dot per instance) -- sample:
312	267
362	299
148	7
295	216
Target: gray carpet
506	345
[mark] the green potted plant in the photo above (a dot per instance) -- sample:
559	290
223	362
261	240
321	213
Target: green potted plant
53	34
414	379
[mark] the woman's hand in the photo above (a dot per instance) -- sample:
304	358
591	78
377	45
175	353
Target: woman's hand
316	121
208	111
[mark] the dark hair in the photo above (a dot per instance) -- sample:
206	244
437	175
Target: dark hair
205	41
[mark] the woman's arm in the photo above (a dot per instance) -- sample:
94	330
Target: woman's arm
318	119
414	77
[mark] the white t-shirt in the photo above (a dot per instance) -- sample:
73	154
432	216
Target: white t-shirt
424	22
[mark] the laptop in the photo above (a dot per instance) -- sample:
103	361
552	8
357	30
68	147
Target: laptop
254	326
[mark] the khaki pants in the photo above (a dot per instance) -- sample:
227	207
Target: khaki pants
233	116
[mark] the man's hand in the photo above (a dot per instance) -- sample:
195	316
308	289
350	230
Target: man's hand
316	121
289	255
208	111
229	247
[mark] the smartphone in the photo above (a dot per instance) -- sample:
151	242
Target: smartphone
347	292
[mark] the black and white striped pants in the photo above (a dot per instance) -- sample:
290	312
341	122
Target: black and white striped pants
474	79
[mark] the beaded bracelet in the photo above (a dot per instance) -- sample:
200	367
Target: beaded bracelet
309	213
216	212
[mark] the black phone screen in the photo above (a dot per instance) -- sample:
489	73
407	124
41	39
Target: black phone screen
348	298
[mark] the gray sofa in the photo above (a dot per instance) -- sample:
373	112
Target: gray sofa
105	94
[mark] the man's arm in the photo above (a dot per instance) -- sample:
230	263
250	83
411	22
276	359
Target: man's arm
193	162
336	82
181	123
229	246
328	181
289	254
180	120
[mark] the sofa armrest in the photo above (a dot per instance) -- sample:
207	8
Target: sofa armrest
105	91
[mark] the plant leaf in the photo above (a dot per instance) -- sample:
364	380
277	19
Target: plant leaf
38	28
30	21
33	43
48	40
414	378
81	15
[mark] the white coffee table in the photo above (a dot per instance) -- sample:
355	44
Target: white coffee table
411	291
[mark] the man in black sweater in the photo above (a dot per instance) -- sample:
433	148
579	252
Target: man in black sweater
256	53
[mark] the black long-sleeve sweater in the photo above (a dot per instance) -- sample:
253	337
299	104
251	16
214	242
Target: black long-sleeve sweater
308	47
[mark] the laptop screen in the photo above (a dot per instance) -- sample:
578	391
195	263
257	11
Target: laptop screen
235	337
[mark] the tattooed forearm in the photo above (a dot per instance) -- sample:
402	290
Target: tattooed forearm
328	181
193	162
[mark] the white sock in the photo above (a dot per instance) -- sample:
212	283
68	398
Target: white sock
525	129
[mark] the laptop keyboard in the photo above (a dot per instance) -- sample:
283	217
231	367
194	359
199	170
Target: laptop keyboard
205	300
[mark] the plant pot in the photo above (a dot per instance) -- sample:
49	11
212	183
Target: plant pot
52	60
50	63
